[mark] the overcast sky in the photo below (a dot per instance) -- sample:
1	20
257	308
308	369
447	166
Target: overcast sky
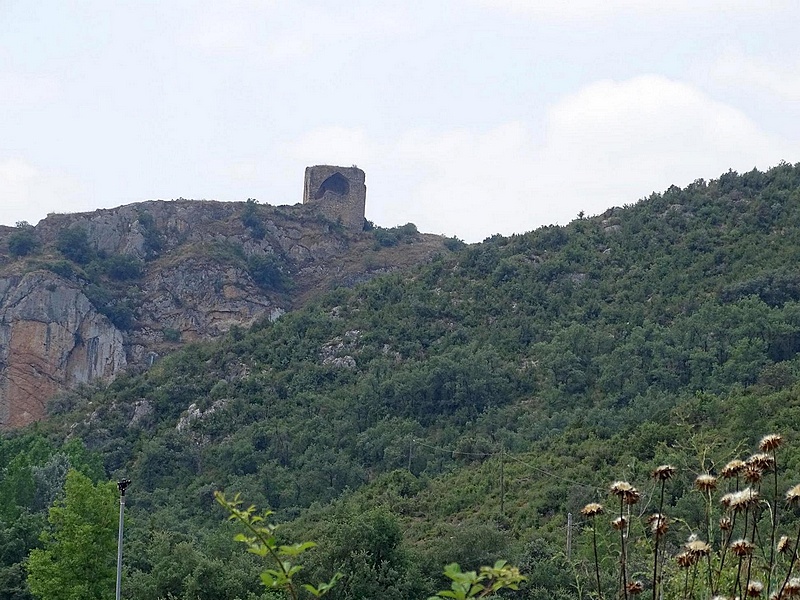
470	117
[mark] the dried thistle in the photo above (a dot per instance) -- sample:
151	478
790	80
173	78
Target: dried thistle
620	488
770	442
752	473
792	588
685	560
625	491
659	524
619	523
744	499
592	509
725	524
635	587
784	545
793	494
755	589
632	497
663	472
764	461
705	483
742	548
698	548
732	469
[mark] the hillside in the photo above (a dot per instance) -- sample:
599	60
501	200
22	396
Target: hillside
113	290
378	418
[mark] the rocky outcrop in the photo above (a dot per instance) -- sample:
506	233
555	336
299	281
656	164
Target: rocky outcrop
202	267
50	337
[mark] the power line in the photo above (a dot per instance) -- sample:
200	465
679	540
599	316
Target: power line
505	455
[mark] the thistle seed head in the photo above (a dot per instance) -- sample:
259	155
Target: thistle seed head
755	589
732	469
770	442
793	494
659	524
764	461
742	548
752	473
705	483
635	587
685	560
592	509
698	548
663	472
619	523
792	588
744	499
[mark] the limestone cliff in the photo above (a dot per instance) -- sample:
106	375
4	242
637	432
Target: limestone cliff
50	336
88	295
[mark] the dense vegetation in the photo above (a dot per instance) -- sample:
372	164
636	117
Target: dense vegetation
458	412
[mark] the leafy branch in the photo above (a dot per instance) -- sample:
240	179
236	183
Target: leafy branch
472	584
261	540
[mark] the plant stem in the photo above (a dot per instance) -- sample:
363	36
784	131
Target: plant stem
658	537
791	563
623	566
774	521
596	560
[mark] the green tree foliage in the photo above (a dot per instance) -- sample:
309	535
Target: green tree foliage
266	272
122	267
77	558
252	220
23	241
73	243
552	362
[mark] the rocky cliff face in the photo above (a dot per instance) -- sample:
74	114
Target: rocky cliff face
50	337
156	274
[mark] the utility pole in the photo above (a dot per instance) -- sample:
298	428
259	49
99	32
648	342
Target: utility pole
569	537
410	446
122	485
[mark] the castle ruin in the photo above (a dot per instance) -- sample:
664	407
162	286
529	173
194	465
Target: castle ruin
338	193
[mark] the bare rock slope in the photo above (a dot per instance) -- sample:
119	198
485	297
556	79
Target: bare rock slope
84	296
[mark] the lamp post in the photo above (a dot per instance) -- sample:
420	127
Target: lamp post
122	485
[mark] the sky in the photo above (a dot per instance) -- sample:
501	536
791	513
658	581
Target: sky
469	117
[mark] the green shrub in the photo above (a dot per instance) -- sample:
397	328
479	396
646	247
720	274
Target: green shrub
171	335
74	244
22	242
123	267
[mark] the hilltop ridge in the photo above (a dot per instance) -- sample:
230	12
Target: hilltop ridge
87	295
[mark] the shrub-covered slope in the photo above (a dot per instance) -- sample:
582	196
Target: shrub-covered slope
470	404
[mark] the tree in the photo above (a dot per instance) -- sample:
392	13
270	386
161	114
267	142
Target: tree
77	560
74	244
22	242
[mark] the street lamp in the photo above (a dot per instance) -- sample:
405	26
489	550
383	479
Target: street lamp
122	485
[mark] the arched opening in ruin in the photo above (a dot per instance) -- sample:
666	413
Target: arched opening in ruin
336	183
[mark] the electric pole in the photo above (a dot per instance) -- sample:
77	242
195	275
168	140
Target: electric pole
122	486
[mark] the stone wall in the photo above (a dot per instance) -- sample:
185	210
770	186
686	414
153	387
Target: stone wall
339	193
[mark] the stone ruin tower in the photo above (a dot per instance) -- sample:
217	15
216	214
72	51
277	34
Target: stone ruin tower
339	193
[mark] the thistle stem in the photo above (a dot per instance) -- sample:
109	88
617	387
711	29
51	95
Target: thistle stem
596	561
791	563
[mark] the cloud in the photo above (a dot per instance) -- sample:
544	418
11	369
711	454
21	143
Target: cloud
735	69
592	9
18	90
334	145
29	194
608	144
650	132
282	32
